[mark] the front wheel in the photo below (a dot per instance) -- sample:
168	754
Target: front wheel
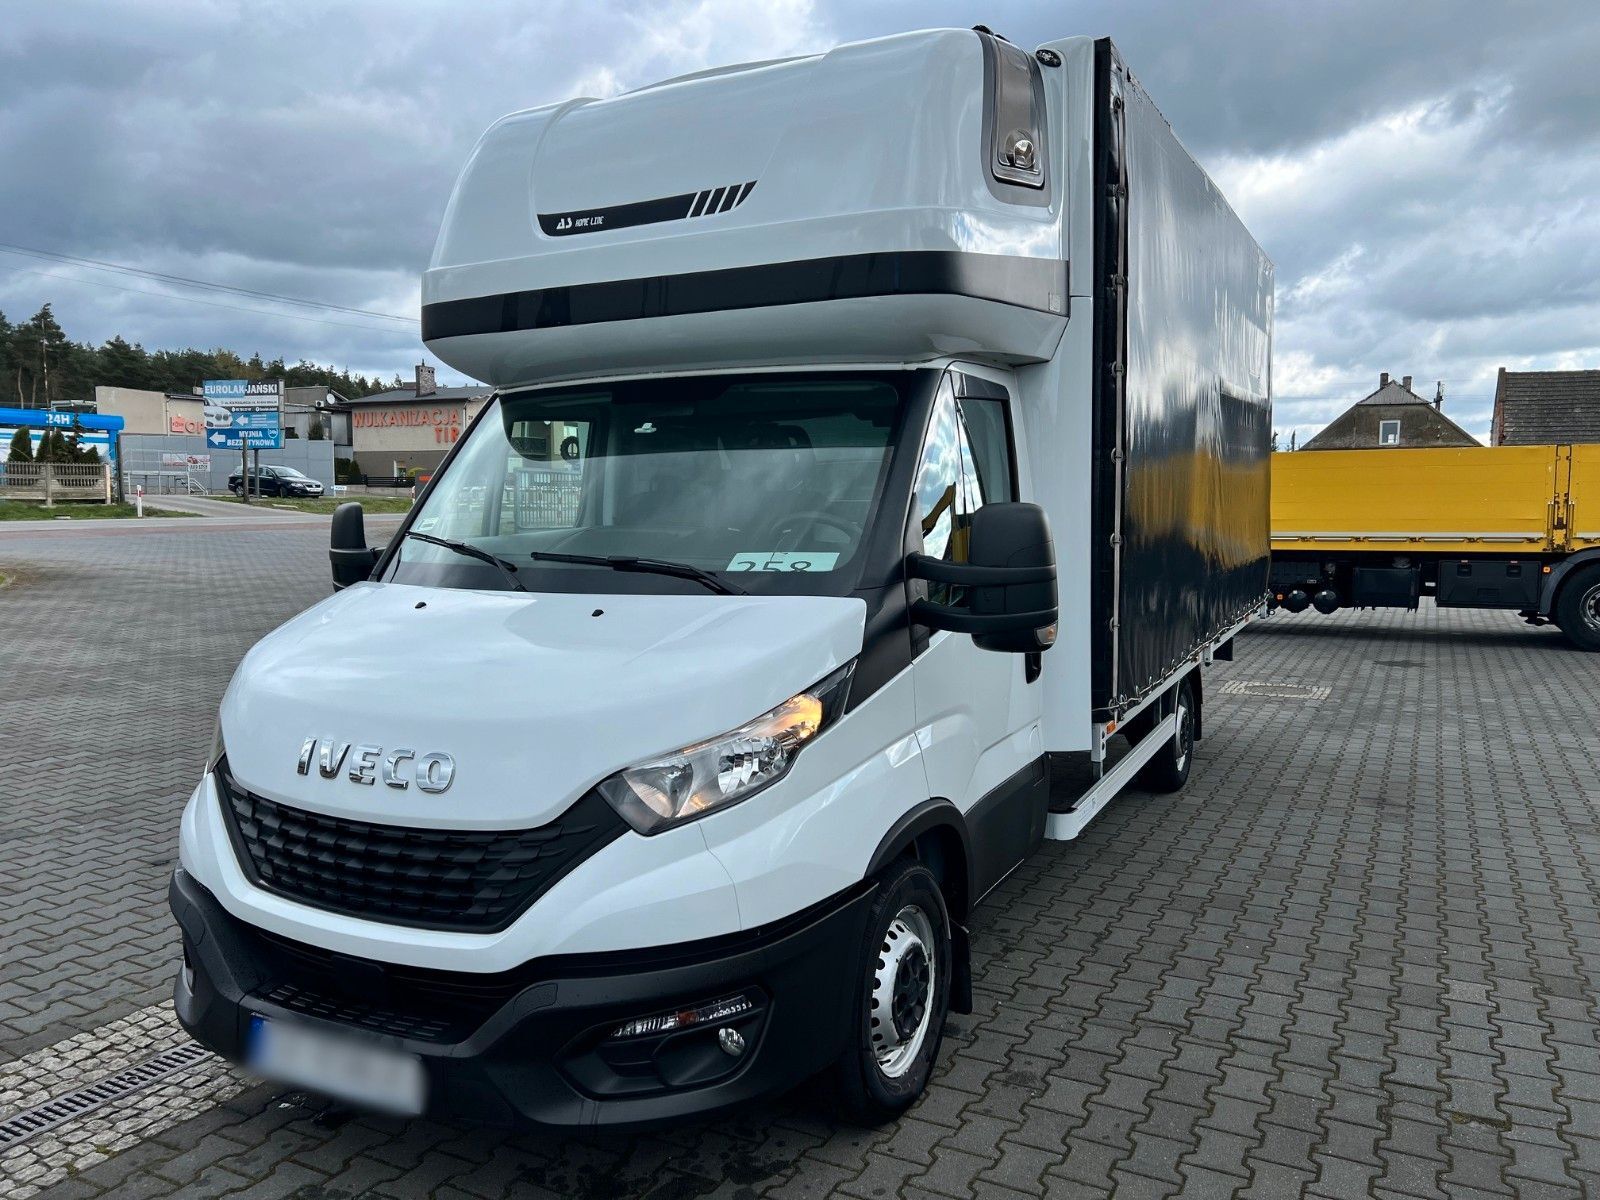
1577	609
901	998
1168	771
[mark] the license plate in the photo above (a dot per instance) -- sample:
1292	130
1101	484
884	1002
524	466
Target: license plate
345	1068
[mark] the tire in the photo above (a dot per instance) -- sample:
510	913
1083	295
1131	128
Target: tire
1168	771
901	998
1577	608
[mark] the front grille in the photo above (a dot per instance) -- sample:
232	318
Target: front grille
362	1015
469	880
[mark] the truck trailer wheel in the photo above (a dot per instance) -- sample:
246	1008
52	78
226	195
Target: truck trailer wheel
1577	608
902	996
1168	771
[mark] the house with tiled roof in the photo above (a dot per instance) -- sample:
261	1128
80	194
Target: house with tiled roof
1393	415
1546	408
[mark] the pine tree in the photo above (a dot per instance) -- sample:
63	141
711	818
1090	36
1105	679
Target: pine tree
39	354
120	365
41	366
8	396
21	447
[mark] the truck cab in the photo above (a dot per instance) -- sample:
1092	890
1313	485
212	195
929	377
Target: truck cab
660	759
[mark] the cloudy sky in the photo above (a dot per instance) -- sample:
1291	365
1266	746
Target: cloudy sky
1425	175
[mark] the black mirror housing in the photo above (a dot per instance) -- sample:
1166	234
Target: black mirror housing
352	559
1010	577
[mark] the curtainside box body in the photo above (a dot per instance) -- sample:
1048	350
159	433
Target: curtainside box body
1183	401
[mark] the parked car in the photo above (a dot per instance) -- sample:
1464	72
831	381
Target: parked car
277	481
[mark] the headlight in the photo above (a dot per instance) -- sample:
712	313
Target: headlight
722	771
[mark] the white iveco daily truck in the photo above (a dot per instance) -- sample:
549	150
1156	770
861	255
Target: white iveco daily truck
879	451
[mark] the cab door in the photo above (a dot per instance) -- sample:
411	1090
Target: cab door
978	711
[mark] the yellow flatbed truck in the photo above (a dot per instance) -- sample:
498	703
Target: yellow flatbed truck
1512	527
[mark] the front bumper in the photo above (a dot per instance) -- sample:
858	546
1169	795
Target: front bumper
532	1045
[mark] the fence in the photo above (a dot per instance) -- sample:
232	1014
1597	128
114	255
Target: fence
545	499
52	482
143	458
165	483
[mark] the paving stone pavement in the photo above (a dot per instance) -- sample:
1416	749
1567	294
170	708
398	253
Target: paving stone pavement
1358	956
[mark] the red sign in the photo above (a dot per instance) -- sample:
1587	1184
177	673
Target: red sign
445	422
396	417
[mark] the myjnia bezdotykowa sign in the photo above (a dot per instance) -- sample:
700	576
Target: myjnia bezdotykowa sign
254	421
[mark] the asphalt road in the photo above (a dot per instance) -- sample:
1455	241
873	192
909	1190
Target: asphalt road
1359	955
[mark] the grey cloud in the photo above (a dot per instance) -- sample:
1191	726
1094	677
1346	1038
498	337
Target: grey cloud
1422	173
1264	76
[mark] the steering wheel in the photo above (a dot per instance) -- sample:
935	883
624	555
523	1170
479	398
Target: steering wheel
803	520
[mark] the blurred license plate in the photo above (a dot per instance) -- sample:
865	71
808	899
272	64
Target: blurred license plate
342	1067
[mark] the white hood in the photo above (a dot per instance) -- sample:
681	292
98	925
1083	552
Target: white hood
535	697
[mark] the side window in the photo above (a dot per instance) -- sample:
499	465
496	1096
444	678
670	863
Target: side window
938	490
988	461
947	490
966	463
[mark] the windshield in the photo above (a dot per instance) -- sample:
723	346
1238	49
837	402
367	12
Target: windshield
289	473
768	481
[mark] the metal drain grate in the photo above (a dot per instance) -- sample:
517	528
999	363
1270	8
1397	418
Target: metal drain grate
1266	689
18	1129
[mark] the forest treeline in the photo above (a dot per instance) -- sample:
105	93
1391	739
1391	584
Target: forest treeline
41	366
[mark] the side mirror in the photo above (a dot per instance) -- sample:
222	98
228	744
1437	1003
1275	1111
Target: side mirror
1010	577
348	551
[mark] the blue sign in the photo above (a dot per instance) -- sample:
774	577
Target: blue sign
253	420
249	431
93	429
44	418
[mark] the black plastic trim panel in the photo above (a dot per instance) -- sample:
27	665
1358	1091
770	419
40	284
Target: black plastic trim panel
1007	824
532	1045
1002	278
1005	182
936	813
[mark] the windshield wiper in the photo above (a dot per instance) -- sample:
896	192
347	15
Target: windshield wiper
507	569
645	566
